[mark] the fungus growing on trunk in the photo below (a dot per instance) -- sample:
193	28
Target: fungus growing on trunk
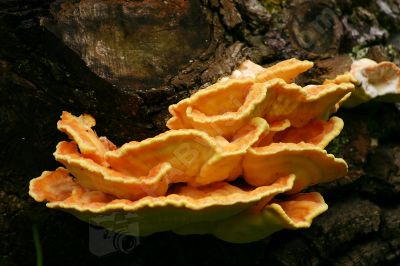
377	81
231	148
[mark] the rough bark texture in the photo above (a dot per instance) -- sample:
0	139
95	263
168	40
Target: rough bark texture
40	75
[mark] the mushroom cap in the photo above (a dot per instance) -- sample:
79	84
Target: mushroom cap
174	156
287	70
377	81
94	176
300	105
251	225
196	157
220	109
223	108
311	165
80	130
211	111
182	206
318	132
274	128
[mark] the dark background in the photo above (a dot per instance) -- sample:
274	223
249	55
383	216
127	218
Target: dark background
40	75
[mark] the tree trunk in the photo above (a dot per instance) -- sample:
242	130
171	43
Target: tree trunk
125	61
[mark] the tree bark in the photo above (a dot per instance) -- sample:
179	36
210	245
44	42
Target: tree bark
42	72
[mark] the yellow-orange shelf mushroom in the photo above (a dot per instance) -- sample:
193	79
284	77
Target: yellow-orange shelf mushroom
377	81
79	129
221	109
224	107
311	165
287	70
182	206
232	148
196	158
97	177
318	132
255	224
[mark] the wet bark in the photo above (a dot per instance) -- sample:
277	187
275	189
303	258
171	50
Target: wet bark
42	72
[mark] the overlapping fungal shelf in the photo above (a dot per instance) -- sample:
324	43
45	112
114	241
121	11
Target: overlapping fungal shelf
376	81
231	149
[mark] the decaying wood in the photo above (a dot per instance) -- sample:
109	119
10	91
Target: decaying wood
46	67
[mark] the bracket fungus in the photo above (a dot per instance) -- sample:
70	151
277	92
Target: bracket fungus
231	148
378	81
227	105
